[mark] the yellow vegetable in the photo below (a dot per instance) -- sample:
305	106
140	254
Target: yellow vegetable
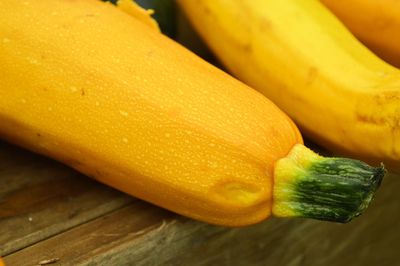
301	57
89	85
375	22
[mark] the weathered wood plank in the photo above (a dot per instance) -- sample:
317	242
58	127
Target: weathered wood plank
95	241
40	198
143	235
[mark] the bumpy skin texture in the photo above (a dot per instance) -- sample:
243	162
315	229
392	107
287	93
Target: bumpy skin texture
375	23
93	87
300	56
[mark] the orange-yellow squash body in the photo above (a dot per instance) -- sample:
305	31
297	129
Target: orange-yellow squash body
91	86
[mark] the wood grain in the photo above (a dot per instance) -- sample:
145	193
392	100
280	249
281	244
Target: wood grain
40	198
98	242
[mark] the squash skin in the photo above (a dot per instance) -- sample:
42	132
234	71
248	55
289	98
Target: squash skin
375	23
103	93
299	55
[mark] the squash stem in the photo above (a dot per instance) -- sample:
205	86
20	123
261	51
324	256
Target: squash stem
330	189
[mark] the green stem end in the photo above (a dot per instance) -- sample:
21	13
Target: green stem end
330	189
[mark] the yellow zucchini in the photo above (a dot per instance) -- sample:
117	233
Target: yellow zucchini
375	23
97	89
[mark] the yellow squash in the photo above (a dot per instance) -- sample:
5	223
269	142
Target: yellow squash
99	90
375	22
301	57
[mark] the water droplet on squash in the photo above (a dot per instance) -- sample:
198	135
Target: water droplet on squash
123	113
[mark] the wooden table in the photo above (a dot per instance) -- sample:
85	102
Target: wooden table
53	215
